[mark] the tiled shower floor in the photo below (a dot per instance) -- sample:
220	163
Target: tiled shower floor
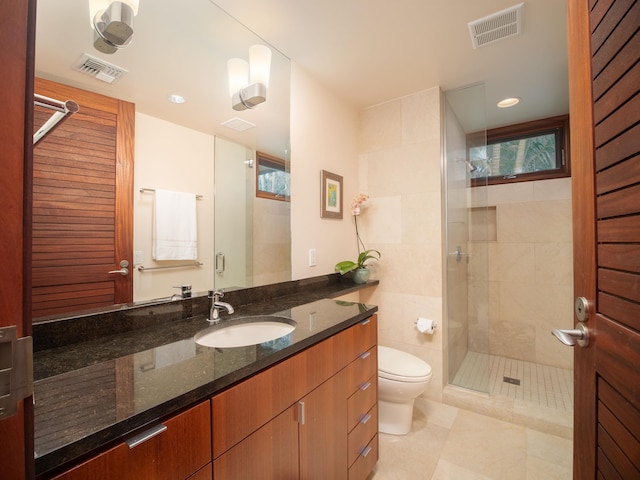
539	384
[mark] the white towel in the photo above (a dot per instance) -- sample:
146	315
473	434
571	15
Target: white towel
175	231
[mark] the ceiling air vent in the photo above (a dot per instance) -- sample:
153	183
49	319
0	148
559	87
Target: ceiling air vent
238	124
503	24
98	68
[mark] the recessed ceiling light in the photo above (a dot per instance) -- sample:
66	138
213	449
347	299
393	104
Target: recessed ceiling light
176	98
508	102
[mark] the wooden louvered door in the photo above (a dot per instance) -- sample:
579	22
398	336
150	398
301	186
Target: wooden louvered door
82	204
604	66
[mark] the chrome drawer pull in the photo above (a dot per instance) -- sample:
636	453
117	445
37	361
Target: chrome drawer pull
365	418
365	451
365	322
365	355
365	385
146	435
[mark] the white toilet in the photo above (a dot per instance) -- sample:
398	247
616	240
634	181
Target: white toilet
402	377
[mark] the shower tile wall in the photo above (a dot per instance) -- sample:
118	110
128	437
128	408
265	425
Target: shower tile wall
399	151
530	272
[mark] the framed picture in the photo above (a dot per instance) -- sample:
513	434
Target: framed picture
331	195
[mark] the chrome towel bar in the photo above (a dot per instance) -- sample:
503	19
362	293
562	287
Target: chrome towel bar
153	190
142	268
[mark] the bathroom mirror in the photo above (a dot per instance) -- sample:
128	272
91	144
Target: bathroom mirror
182	50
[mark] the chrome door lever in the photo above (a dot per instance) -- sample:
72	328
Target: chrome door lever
123	268
579	335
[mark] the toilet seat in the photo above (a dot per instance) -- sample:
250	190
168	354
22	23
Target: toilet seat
401	366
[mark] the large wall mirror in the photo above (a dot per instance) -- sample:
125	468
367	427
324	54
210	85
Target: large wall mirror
202	146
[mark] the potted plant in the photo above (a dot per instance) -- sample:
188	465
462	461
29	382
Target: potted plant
359	267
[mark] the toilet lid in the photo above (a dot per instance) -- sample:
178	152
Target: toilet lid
398	365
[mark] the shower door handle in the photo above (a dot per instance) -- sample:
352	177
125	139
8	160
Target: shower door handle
459	254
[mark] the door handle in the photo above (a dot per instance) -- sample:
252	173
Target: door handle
220	262
571	337
123	268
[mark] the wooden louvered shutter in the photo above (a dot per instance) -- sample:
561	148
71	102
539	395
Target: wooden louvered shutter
82	204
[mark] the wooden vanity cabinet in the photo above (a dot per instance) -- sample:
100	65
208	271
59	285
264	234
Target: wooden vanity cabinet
182	450
311	416
304	417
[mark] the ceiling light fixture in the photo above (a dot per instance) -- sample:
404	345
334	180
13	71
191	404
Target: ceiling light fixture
508	102
112	22
248	82
175	98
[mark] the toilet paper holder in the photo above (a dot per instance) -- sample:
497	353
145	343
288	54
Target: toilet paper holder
425	325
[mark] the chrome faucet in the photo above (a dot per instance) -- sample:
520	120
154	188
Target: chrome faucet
215	304
185	292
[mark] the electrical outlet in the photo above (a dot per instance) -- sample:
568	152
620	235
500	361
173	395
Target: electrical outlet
312	257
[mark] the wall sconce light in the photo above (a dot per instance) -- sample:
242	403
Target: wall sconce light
112	22
248	82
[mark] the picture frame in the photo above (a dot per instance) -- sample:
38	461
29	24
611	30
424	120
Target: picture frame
331	187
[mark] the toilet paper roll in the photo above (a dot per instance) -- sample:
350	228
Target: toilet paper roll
425	325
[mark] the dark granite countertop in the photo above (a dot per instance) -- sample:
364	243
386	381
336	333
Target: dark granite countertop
105	385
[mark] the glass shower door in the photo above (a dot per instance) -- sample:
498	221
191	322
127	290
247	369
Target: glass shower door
467	282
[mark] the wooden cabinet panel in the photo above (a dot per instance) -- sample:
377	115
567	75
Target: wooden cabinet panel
362	467
270	453
332	388
356	340
175	453
361	401
205	473
362	368
362	434
245	407
323	431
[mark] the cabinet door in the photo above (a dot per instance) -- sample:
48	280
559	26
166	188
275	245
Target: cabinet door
270	453
323	431
176	452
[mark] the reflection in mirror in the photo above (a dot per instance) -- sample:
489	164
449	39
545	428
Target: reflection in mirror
261	254
272	177
179	147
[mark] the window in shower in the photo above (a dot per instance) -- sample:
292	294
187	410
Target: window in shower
528	151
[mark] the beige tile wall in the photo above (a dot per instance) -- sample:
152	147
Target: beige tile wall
531	271
399	146
530	254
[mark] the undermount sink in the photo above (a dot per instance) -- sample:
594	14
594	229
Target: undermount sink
245	331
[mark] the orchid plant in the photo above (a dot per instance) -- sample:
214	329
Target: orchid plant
363	254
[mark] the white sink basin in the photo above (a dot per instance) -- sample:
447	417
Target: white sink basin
245	331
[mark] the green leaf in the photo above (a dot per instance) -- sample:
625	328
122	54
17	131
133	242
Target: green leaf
346	266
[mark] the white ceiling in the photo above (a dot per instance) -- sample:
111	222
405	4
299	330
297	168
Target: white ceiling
371	51
366	51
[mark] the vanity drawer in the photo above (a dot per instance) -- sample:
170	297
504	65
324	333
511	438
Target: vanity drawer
365	461
361	402
362	434
361	369
358	338
173	449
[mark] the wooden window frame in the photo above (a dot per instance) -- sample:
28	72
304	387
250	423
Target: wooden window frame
524	130
271	162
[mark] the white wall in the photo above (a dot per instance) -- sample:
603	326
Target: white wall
324	134
161	151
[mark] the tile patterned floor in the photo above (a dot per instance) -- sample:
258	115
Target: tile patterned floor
450	443
539	384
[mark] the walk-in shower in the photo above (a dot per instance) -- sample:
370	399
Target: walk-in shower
507	279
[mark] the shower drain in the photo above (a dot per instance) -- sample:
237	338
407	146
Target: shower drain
512	381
